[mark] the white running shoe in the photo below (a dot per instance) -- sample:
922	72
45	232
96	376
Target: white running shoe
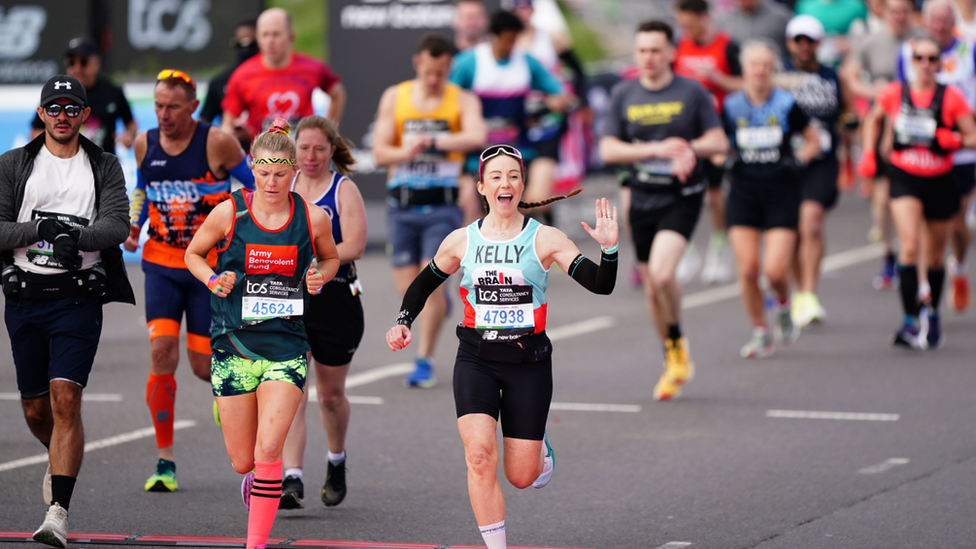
548	464
54	529
719	265
46	486
690	264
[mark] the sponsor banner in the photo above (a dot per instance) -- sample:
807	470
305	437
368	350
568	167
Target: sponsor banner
371	45
33	35
271	259
151	35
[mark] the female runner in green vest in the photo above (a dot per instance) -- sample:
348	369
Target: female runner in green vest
267	241
504	364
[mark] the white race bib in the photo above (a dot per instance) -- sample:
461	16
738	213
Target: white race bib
766	137
271	296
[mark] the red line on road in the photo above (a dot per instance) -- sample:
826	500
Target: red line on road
223	541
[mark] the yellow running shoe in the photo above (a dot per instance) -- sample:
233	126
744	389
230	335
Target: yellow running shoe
164	479
666	388
677	360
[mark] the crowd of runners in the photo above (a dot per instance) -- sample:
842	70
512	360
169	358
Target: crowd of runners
757	111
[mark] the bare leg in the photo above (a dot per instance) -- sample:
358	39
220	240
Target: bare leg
523	461
40	419
811	248
666	252
67	437
469	199
960	233
478	433
542	172
293	455
330	382
779	245
907	214
745	246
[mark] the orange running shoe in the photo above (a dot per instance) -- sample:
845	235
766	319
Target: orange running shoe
959	298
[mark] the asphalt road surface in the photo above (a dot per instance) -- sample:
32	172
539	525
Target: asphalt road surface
840	441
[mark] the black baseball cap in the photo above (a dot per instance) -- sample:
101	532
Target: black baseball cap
63	86
81	46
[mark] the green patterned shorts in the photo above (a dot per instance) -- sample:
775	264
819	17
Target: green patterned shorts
232	375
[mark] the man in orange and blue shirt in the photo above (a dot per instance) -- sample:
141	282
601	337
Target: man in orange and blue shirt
183	173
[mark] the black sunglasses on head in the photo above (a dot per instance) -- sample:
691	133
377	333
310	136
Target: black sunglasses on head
71	110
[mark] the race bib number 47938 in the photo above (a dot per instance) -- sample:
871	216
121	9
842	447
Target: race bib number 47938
506	309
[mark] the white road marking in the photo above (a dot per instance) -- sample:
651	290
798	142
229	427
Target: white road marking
849	416
834	262
97	444
883	466
580	328
85	397
376	374
585	407
362	399
675	545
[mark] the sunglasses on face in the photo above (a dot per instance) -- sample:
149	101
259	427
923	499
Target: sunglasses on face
180	75
800	39
929	58
495	150
71	111
80	61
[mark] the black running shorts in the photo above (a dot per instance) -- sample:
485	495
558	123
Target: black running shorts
819	182
939	194
520	391
681	216
965	175
334	324
763	204
713	174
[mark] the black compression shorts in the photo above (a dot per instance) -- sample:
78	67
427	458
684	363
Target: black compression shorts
520	391
334	324
713	174
965	175
819	182
681	216
763	205
939	195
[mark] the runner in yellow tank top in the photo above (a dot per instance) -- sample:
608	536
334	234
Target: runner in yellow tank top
423	129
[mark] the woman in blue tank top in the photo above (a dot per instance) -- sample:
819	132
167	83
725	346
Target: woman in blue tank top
504	363
267	244
334	320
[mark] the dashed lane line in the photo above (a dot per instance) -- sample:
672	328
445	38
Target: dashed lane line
884	466
844	416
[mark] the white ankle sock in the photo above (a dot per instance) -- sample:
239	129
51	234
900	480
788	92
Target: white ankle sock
294	472
494	535
336	459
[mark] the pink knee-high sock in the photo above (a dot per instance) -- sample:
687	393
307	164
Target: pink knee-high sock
264	502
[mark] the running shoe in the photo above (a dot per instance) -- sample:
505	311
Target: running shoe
422	376
334	489
247	484
806	309
784	330
759	346
908	334
690	264
54	529
959	295
164	479
677	360
635	279
292	493
933	333
548	464
46	486
885	279
666	388
719	265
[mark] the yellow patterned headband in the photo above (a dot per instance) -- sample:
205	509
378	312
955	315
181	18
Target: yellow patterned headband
287	161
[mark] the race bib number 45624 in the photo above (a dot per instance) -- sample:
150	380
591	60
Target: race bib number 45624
267	297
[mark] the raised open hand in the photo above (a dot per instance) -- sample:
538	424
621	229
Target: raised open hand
605	231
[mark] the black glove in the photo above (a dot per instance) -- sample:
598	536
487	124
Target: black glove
66	252
49	229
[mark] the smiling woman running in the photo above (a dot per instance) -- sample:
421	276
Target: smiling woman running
270	238
504	358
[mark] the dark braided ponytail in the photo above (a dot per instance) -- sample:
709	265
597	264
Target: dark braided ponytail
530	205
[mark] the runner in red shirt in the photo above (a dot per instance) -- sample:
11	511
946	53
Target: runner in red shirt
712	58
923	191
278	83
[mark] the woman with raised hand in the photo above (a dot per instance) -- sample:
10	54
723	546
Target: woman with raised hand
504	362
334	320
273	252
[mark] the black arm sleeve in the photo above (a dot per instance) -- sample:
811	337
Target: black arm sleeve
420	289
579	77
597	279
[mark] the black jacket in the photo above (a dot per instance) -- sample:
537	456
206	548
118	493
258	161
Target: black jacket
111	226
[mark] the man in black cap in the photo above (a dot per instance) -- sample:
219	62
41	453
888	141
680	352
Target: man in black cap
63	214
106	100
